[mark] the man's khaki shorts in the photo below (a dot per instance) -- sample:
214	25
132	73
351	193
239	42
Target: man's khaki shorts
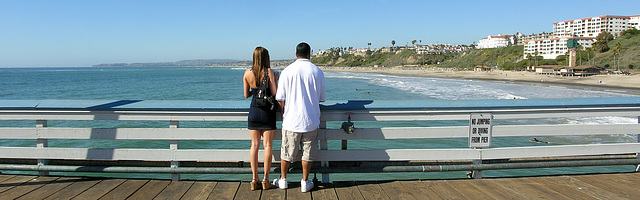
291	140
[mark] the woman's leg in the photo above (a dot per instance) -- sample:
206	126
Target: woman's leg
253	152
267	137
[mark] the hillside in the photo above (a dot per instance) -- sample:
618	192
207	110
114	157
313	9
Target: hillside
507	58
630	54
371	58
503	57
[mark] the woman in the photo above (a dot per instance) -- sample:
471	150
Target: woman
262	122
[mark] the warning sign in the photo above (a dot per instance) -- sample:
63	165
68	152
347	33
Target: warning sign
480	129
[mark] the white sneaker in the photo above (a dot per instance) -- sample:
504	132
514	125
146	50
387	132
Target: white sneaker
280	183
306	186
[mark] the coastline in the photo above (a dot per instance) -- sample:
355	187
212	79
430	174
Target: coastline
606	81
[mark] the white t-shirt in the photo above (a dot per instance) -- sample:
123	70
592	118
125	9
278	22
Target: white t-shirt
301	87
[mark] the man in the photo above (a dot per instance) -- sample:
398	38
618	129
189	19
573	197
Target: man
300	90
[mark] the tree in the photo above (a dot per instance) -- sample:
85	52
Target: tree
601	41
393	42
413	42
589	55
369	45
631	32
580	53
535	54
618	48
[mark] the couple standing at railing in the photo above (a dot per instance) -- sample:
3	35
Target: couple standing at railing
299	91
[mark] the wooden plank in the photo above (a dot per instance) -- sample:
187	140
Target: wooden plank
617	181
100	189
539	185
49	189
419	190
273	194
293	192
27	187
588	188
150	190
494	190
626	179
604	184
467	189
347	190
224	190
244	191
564	189
371	190
199	190
323	191
443	190
74	189
14	181
396	190
523	187
175	190
125	189
4	177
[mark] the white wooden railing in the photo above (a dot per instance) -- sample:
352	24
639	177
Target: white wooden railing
174	112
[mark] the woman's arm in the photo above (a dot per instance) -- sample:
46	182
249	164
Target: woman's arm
245	84
273	82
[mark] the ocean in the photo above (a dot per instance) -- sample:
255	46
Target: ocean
225	83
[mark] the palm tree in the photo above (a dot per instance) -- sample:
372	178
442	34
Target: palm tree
589	55
369	45
580	53
393	42
413	42
618	48
535	54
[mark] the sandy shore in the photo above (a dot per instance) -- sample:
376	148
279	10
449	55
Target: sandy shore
613	81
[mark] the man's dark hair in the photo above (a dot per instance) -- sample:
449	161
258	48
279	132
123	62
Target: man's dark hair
303	50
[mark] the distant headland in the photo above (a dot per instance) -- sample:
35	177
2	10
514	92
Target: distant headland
200	62
191	63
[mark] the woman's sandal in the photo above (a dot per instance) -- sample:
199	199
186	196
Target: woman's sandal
254	184
266	184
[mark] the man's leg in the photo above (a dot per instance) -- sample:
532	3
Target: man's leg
284	168
309	153
306	168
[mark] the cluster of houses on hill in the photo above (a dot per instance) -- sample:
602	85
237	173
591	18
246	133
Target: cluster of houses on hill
549	45
567	38
418	48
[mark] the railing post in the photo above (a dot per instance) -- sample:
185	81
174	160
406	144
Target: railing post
638	154
324	146
173	146
42	143
477	174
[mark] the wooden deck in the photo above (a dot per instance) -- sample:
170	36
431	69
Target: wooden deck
599	186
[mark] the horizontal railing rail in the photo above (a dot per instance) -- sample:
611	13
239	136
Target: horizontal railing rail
332	160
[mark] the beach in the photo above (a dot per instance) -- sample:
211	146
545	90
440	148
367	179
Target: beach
604	80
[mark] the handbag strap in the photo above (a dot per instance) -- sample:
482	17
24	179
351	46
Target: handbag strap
263	85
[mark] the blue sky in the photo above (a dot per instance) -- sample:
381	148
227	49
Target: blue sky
83	33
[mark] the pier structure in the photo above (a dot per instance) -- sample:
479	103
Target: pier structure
478	156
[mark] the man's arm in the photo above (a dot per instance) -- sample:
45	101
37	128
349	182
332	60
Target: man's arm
281	103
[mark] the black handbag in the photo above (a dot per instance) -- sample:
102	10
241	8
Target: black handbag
264	101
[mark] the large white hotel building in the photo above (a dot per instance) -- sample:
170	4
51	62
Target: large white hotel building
583	30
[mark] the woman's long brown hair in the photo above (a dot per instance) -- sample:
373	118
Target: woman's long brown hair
260	62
